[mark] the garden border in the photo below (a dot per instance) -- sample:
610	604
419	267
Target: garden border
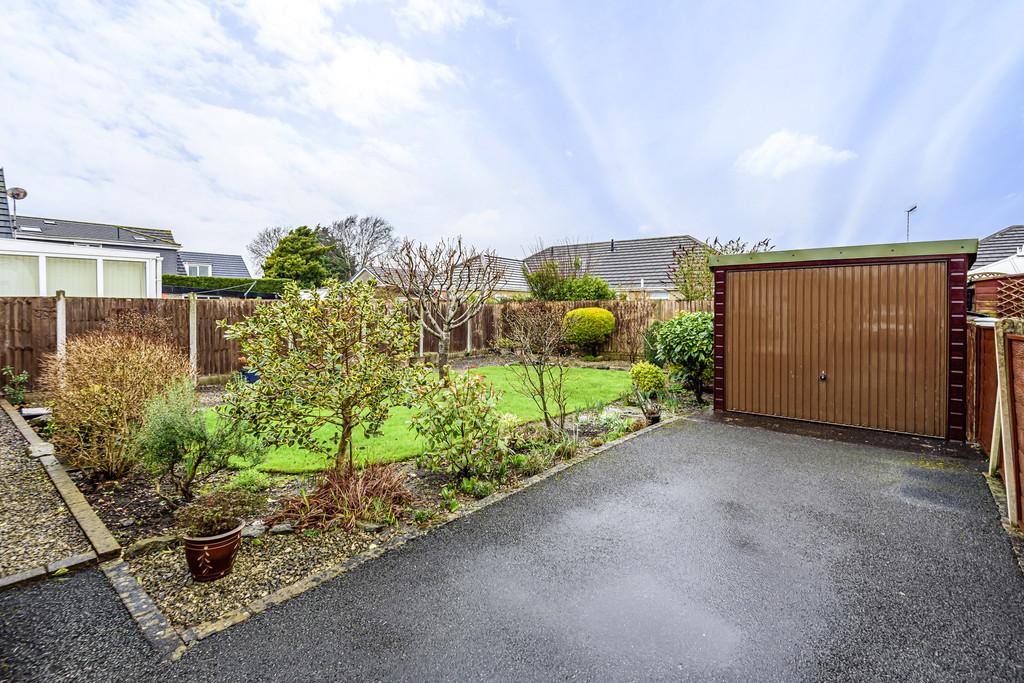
104	545
194	634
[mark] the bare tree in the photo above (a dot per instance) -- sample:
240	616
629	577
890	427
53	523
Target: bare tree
690	275
357	241
445	285
264	243
533	331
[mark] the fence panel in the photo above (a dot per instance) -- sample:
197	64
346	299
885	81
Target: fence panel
28	328
28	331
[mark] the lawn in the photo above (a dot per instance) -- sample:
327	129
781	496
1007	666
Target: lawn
586	387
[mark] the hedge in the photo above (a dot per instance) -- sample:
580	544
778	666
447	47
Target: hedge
234	284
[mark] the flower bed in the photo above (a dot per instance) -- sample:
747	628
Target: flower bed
268	562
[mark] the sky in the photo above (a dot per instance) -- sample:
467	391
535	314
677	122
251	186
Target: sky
812	123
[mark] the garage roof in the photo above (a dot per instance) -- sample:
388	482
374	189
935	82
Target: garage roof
861	251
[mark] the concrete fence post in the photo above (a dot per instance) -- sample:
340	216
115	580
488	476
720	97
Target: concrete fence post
62	323
193	335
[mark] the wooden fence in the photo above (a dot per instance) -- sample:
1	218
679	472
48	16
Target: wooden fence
29	326
485	328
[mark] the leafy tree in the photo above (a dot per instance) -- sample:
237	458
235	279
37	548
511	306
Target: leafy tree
355	242
690	272
333	360
544	281
263	245
686	343
300	257
445	285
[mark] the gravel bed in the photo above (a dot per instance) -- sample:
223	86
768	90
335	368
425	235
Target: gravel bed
262	566
35	526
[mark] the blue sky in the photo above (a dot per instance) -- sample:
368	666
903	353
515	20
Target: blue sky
813	123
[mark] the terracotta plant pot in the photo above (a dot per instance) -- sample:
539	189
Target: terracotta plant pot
211	557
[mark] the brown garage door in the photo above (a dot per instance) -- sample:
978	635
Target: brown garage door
879	333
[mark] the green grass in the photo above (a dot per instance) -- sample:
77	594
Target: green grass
397	441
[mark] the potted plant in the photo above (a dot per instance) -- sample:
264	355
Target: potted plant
248	373
213	531
648	382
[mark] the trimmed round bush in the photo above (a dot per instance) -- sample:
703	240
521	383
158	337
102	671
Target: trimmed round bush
648	378
588	328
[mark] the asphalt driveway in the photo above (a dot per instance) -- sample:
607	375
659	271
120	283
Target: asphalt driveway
700	550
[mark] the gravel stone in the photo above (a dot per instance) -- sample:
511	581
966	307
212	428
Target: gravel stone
36	527
282	528
254	530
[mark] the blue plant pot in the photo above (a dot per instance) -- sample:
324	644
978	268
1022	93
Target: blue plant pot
251	376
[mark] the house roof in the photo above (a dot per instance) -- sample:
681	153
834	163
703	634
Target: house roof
941	248
999	245
221	265
34	227
513	281
5	214
623	264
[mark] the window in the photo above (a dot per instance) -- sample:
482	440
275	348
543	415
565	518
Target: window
198	269
76	276
19	275
124	278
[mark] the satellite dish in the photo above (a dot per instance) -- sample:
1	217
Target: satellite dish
17	193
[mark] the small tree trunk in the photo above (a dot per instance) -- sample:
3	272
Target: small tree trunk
698	391
345	441
443	345
543	398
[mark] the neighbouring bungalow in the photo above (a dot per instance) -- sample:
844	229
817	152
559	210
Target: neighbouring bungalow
40	256
636	268
513	284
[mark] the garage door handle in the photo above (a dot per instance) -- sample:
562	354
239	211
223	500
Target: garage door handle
823	376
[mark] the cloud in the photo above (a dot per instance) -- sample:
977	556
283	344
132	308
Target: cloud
785	152
363	81
435	16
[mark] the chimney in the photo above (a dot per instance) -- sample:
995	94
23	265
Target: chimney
613	245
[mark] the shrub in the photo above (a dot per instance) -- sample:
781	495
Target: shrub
686	343
478	488
459	420
586	287
175	443
253	286
536	461
218	512
588	328
99	390
648	382
548	282
647	378
14	387
250	480
342	497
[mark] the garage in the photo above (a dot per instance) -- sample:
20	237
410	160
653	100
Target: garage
868	336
